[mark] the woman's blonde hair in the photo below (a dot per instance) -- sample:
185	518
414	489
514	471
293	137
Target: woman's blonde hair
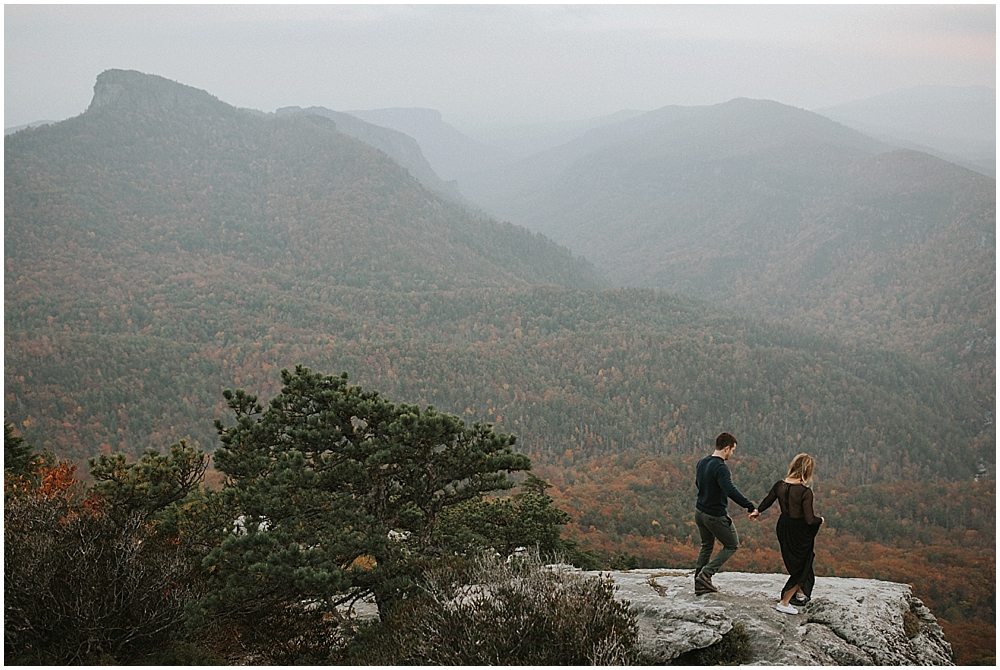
801	468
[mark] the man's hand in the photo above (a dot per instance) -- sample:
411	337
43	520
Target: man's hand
753	515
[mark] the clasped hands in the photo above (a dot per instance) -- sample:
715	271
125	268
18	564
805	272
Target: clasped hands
753	515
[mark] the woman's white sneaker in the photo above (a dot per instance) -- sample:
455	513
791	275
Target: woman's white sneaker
787	609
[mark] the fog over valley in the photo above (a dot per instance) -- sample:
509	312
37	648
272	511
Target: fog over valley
319	307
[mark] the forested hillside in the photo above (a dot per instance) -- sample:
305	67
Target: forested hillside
163	246
400	147
566	370
156	175
779	213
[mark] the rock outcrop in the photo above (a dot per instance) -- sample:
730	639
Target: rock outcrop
848	621
134	90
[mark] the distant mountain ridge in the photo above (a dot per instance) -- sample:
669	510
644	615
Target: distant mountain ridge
955	123
165	245
777	212
244	175
661	154
525	139
134	91
399	146
530	173
23	126
450	152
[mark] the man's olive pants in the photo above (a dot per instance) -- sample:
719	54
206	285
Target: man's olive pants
714	528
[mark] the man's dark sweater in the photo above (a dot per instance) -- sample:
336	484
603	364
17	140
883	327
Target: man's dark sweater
715	485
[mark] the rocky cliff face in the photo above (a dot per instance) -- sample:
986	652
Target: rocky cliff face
848	621
135	90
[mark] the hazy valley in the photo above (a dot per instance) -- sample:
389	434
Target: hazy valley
614	300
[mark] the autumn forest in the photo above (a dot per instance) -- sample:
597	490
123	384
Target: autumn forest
164	246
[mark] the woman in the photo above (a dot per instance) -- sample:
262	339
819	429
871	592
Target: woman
797	528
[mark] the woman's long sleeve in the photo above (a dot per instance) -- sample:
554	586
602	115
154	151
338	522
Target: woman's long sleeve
772	495
807	508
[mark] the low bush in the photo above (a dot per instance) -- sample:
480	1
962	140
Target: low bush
179	652
81	585
911	625
503	612
292	635
96	576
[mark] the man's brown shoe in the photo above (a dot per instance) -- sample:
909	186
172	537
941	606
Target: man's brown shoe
705	581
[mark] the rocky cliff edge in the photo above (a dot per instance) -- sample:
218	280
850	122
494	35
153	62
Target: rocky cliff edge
848	621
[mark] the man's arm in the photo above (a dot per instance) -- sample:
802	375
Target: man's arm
726	484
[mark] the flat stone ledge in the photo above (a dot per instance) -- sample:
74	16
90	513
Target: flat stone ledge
848	621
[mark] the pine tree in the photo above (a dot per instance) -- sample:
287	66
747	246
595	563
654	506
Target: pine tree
334	494
17	453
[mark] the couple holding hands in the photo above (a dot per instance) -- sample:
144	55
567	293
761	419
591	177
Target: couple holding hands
797	525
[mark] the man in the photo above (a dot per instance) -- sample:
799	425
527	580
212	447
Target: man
715	488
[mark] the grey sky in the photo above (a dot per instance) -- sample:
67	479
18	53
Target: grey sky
479	63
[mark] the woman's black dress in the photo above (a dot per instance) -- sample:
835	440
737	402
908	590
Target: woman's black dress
797	528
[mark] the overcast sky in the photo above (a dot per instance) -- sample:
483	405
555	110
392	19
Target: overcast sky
479	64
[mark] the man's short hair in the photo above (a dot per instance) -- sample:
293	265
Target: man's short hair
724	441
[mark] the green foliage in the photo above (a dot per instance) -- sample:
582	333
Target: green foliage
17	453
503	612
526	519
150	485
337	493
732	649
624	561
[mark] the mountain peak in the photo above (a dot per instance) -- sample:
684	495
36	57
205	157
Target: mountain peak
131	89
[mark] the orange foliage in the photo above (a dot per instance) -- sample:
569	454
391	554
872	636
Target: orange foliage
57	479
974	642
52	481
364	562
